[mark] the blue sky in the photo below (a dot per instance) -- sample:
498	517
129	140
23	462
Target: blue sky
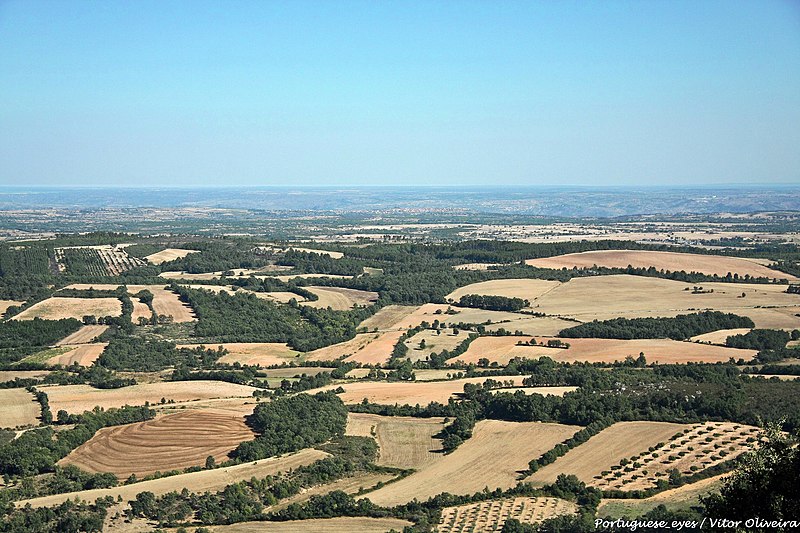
399	93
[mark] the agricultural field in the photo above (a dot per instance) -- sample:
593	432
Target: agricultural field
527	289
411	393
11	375
83	336
56	308
719	336
169	442
403	442
490	516
342	349
680	498
663	351
606	297
340	299
101	260
83	354
165	302
606	449
322	525
252	353
387	318
18	408
692	450
168	254
434	342
204	480
546	326
377	351
491	458
672	261
278	296
76	399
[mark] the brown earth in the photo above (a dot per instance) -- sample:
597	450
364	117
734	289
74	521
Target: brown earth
169	442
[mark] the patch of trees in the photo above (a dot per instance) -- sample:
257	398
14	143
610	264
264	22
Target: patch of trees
493	303
69	517
247	318
314	263
145	355
291	423
64	479
217	255
37	451
784	370
36	332
678	328
759	339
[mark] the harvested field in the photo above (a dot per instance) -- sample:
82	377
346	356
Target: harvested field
318	525
435	341
387	318
403	442
169	442
168	254
83	336
411	393
216	289
527	289
491	515
83	354
18	407
5	304
780	377
253	353
140	310
491	458
166	302
604	297
358	373
692	450
205	480
342	349
549	326
673	261
426	374
76	399
679	498
662	351
606	449
378	351
56	308
293	372
340	299
719	336
11	375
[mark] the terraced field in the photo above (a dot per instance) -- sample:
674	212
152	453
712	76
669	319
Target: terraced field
170	442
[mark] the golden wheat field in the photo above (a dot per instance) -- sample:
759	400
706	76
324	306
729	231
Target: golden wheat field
18	407
403	442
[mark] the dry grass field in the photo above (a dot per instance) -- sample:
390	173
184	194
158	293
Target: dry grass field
11	375
605	297
606	449
340	299
76	399
83	336
407	392
18	408
83	354
332	254
706	264
662	351
694	449
318	525
491	458
201	276
491	515
403	442
296	371
435	342
252	353
169	442
549	326
719	336
389	317
140	310
527	289
165	302
377	351
168	254
679	498
5	304
56	308
277	296
205	480
342	349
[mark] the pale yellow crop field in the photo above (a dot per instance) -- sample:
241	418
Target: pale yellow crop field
168	254
527	289
403	442
56	308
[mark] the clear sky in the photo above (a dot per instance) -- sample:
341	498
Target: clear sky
196	93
